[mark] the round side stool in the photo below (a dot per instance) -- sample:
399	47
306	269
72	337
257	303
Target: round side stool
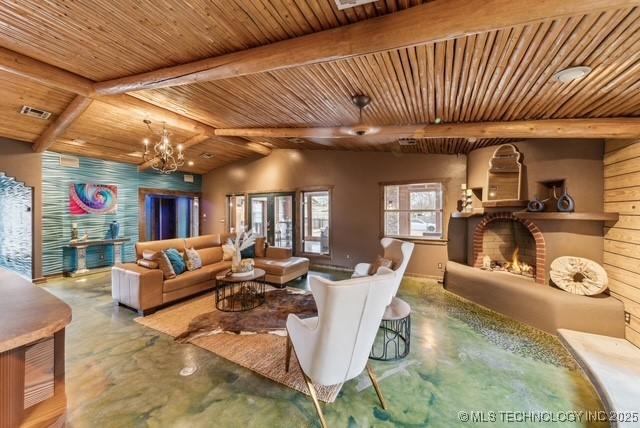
393	340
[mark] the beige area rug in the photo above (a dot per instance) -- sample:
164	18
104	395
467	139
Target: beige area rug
261	353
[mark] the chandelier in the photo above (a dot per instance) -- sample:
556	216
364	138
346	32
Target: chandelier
162	156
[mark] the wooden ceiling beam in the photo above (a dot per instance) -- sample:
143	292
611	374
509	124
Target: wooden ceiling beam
54	77
48	75
58	128
428	23
189	142
623	127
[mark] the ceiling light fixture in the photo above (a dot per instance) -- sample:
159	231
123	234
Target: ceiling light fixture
162	154
361	101
190	163
572	73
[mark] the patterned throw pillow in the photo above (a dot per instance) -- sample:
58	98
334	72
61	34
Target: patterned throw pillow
163	262
177	262
380	262
193	259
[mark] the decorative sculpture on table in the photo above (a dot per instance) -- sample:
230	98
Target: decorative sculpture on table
578	275
93	199
241	242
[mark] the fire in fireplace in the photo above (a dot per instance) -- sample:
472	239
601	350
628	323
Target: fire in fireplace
508	246
514	266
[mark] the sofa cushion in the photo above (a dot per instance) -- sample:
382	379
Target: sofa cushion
204	241
149	264
249	252
162	260
192	258
177	260
216	268
187	279
159	246
281	266
210	255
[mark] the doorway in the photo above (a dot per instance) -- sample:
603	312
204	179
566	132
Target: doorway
168	215
272	216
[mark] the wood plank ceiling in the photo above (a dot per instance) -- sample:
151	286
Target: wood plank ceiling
502	75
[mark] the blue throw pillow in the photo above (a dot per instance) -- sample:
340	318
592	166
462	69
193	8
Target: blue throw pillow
176	260
249	252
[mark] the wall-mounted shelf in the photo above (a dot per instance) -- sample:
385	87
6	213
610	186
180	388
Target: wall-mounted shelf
498	204
475	213
587	216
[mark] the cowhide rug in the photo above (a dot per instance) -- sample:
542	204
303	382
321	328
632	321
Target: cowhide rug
270	317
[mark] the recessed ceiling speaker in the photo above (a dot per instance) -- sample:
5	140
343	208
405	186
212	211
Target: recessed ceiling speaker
572	73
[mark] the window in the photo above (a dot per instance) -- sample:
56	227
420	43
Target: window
236	213
315	222
413	210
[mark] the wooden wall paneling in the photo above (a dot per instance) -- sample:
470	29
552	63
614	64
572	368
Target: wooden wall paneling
39	372
622	238
11	387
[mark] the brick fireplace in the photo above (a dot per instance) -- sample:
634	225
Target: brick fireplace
499	234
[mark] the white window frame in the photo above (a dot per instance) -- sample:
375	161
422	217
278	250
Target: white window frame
436	236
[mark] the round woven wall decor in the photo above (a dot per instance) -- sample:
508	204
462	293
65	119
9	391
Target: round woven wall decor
578	275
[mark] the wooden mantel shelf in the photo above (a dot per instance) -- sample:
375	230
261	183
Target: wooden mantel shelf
586	216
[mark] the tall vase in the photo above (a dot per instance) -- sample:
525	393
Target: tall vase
114	228
235	261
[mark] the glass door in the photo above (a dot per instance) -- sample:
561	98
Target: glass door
271	216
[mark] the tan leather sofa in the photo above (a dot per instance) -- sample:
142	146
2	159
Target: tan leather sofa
145	290
279	263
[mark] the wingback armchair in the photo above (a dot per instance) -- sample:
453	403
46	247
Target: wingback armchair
396	320
334	346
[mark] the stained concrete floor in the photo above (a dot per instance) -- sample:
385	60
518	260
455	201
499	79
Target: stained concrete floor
463	359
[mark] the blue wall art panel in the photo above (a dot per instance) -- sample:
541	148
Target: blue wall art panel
57	217
16	226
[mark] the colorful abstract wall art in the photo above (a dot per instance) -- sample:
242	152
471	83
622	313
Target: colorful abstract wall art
93	199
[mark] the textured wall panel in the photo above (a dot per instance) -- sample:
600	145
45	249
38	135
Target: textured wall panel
56	227
16	236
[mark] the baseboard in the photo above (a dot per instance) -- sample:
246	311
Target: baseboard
41	280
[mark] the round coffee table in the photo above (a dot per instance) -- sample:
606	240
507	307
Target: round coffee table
236	293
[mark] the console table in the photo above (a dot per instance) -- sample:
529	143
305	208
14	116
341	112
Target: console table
32	324
80	254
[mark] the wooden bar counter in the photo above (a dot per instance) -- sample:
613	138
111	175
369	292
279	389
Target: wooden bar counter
32	323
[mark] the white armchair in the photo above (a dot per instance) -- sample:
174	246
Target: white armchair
396	320
334	346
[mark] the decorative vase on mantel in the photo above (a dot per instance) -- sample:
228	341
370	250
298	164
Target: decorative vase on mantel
114	229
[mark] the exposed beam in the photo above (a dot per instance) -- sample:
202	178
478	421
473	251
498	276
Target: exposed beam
57	128
428	23
622	127
46	74
189	142
54	77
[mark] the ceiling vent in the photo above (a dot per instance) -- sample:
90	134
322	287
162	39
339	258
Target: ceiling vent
69	161
346	4
34	112
206	155
408	142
